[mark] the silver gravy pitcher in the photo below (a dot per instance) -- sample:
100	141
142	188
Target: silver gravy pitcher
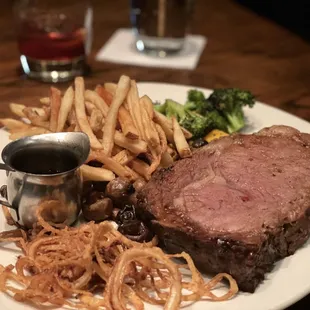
45	169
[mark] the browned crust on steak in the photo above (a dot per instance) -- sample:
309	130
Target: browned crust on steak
248	264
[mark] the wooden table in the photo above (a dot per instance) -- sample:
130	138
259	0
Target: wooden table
244	50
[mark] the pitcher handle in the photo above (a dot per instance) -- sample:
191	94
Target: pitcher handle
3	194
3	191
5	167
4	202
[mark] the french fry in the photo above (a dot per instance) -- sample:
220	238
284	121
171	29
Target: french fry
155	164
123	157
134	146
95	120
35	119
39	111
140	167
186	133
172	152
55	98
134	174
110	87
18	130
179	140
124	118
166	160
107	94
32	131
81	114
17	109
97	101
148	105
72	117
111	119
164	122
110	163
96	174
12	124
116	149
134	108
97	89
45	101
104	94
76	128
65	108
127	125
165	125
89	107
150	133
162	138
47	113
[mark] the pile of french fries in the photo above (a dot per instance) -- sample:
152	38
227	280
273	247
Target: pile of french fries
120	126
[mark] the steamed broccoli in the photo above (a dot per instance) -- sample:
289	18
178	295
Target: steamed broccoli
218	121
197	102
222	110
173	108
197	124
195	95
230	102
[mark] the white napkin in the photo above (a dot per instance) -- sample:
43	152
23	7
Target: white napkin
120	49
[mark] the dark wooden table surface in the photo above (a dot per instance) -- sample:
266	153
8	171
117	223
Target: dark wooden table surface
244	50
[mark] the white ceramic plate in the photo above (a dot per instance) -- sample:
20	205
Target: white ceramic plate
289	280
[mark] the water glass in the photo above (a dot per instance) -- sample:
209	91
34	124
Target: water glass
54	38
160	26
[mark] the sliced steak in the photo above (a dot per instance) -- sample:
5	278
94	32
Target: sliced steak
238	205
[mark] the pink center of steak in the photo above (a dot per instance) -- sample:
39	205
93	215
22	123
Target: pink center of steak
238	187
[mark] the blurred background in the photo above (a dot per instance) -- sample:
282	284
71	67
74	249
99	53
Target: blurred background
293	15
257	45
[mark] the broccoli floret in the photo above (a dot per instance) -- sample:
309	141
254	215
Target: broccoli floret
190	106
195	95
197	102
161	108
230	102
197	124
223	110
173	108
218	121
201	107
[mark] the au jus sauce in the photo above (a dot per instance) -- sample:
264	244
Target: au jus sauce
47	160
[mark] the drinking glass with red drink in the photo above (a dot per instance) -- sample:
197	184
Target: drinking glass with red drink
54	38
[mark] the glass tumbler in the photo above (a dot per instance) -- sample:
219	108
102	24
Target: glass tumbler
160	26
54	38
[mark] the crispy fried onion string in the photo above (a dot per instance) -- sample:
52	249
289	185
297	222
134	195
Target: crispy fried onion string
93	266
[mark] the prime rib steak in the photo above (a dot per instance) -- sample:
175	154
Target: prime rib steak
237	206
